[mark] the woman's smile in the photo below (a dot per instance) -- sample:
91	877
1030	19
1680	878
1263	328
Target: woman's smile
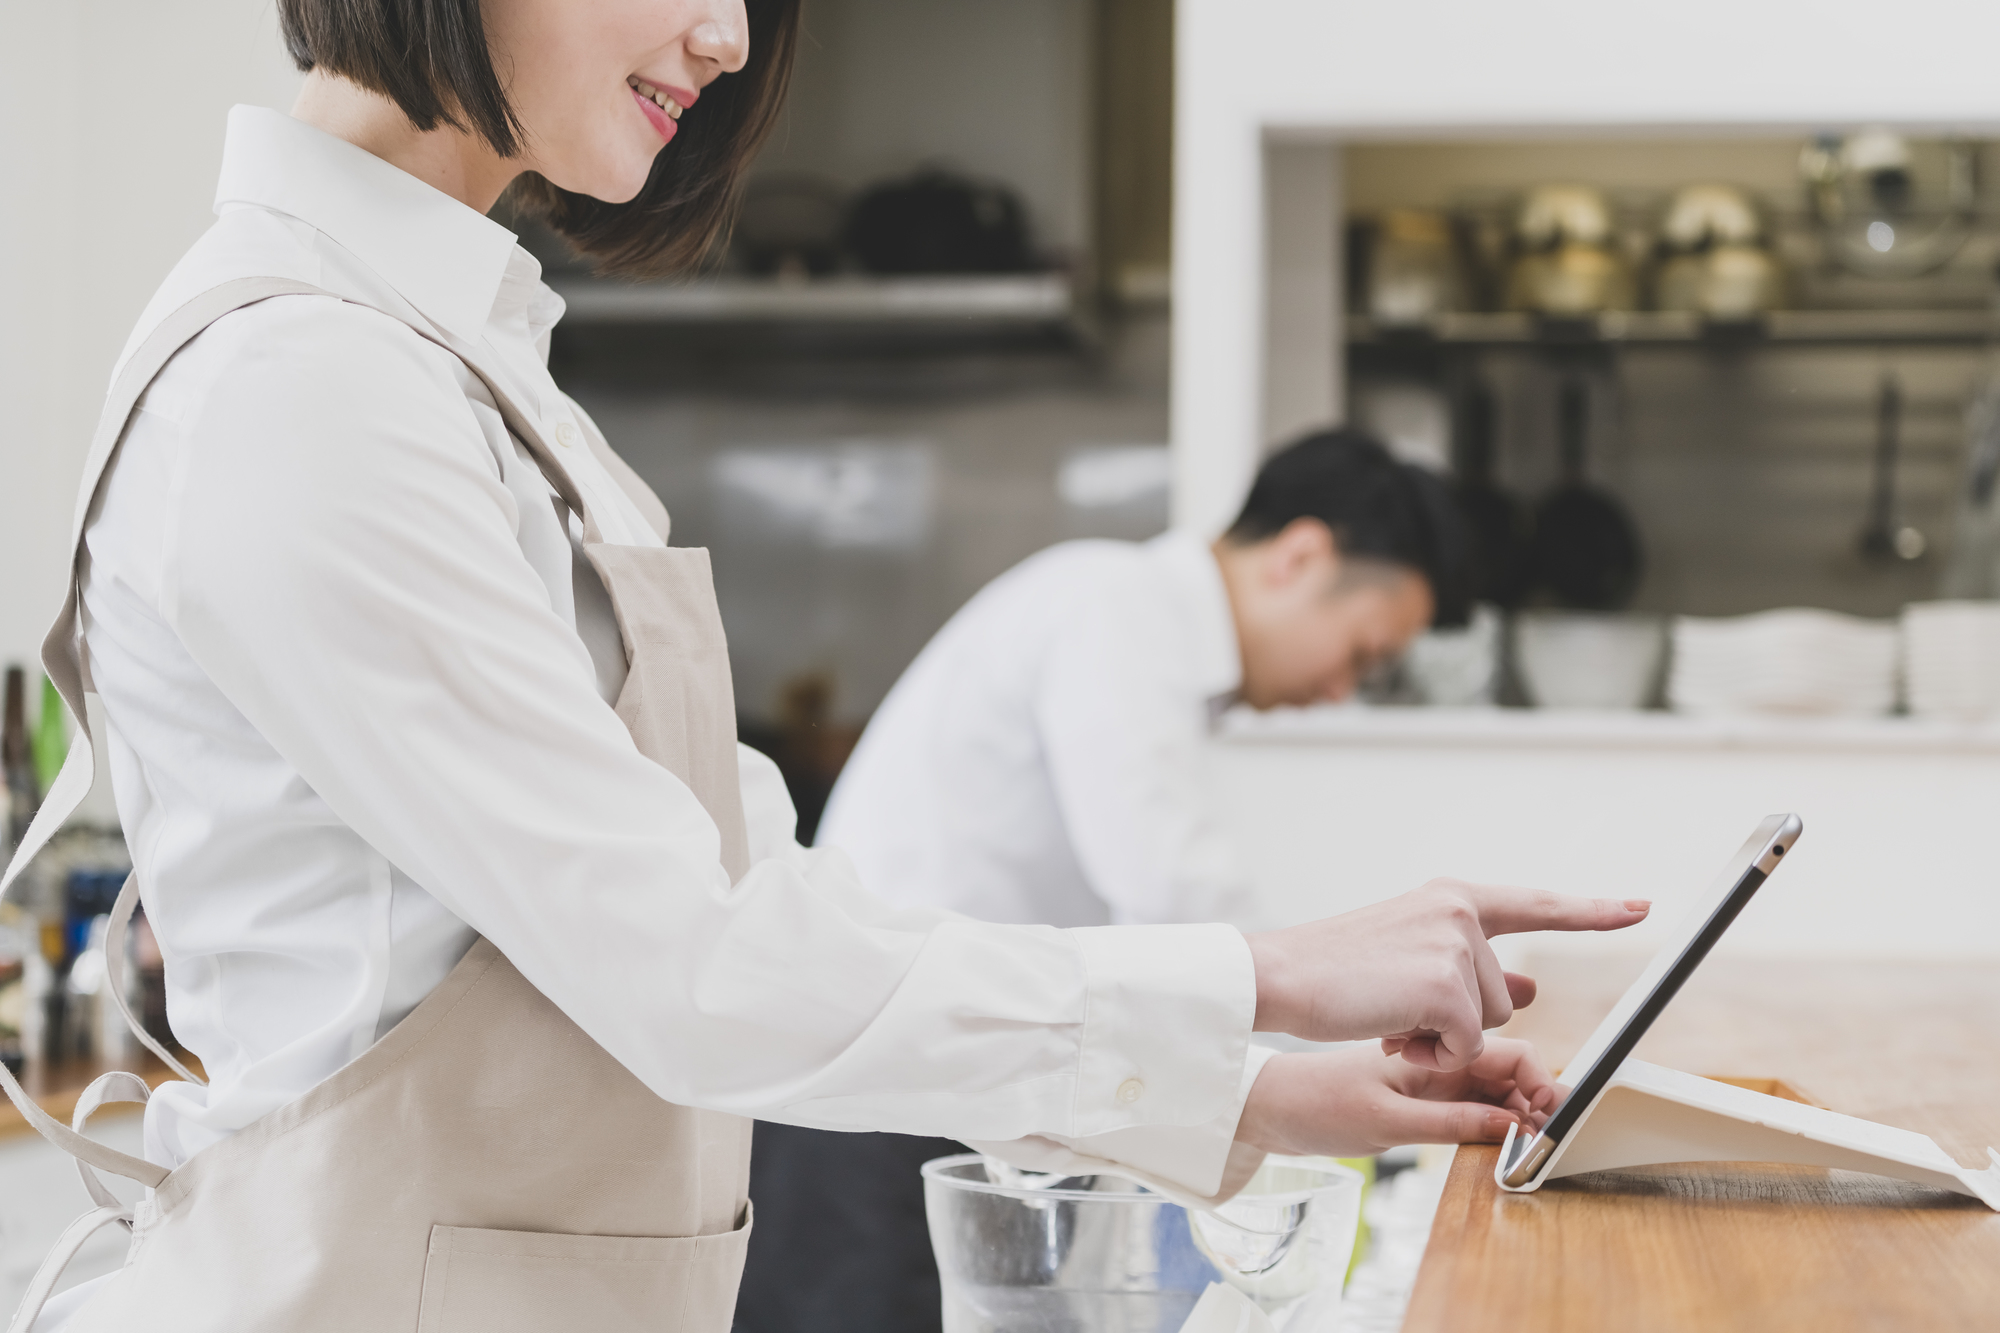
661	106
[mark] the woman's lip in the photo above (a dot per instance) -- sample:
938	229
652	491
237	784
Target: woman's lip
681	95
657	118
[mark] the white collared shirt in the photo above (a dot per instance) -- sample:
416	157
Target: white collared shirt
355	678
1041	760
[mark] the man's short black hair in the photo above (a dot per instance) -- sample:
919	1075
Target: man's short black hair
1377	508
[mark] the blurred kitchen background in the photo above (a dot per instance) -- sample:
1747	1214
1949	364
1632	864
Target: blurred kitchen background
1697	311
1711	368
937	344
1672	376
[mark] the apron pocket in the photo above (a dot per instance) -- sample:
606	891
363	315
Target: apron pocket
479	1281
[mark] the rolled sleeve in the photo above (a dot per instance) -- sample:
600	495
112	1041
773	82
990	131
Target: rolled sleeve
1170	1010
1198	1166
1165	1063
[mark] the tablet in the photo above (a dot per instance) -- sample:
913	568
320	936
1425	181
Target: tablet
1693	936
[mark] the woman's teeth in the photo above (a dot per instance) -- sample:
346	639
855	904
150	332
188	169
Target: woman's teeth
660	99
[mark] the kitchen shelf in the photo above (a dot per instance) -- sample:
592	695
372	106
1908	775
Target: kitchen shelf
1350	725
1016	300
1654	328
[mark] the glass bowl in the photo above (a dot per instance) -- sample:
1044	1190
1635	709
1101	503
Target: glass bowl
1100	1254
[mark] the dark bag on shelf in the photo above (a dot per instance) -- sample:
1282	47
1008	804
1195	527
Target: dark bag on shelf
936	222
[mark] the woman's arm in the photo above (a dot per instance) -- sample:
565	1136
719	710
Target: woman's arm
347	569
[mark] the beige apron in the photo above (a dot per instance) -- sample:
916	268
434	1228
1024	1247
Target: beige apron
485	1166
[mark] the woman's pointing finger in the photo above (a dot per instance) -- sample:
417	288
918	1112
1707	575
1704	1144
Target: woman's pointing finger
1510	911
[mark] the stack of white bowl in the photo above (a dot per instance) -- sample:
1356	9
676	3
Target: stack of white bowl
1580	659
1791	661
1951	659
1457	668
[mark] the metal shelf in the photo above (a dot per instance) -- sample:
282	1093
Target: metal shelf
1642	328
999	300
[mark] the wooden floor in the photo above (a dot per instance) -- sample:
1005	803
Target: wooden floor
1747	1247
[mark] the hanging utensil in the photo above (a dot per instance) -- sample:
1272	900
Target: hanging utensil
1884	540
1586	552
1497	527
1973	568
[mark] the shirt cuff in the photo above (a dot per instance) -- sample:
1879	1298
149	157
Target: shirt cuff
1165	1063
1166	1028
1197	1166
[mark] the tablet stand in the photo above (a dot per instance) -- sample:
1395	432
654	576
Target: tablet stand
1650	1116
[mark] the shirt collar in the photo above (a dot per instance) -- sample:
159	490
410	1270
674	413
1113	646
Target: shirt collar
442	257
1197	581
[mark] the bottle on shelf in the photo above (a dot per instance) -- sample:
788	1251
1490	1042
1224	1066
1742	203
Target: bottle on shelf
17	759
50	743
18	942
88	1016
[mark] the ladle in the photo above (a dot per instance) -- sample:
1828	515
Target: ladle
1883	539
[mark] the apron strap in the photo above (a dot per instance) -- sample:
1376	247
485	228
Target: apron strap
114	977
120	1085
524	429
62	651
64	658
44	1283
149	1174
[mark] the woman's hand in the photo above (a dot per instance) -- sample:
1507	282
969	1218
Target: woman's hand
1415	970
1358	1101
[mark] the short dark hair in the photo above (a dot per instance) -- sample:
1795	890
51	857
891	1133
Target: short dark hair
430	58
1377	508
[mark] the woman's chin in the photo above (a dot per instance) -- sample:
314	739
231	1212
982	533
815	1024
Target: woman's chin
608	183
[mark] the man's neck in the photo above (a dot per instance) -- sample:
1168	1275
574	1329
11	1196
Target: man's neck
1230	559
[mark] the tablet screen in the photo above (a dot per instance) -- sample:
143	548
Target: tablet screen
1687	944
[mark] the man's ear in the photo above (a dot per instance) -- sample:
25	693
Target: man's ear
1303	548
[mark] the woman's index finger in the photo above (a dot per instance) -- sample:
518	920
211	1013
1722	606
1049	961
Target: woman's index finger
1511	911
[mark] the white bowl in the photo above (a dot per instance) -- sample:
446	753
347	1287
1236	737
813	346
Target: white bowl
1456	668
1039	1254
1951	659
1577	659
1792	661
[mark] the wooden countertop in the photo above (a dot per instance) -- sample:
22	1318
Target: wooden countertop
1769	1248
58	1089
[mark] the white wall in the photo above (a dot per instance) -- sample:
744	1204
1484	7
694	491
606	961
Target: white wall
1252	71
1896	859
104	190
1302	380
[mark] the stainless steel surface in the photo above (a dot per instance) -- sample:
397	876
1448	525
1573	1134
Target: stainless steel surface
1013	298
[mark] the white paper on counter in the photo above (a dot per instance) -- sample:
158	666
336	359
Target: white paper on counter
1223	1309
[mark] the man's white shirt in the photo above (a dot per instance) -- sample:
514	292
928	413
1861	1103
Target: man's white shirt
356	680
1043	758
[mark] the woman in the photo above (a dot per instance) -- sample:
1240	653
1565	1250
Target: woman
485	931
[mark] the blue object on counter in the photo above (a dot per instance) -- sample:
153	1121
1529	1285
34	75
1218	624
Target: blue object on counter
87	895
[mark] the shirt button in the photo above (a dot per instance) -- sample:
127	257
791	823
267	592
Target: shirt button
1131	1090
567	435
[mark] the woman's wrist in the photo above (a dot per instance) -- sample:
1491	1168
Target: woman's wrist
1262	1122
1270	961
